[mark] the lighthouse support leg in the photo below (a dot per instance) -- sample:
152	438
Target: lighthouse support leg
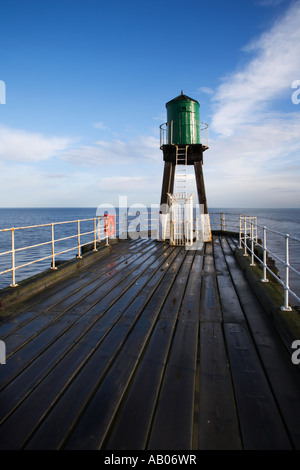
200	185
205	222
168	182
167	188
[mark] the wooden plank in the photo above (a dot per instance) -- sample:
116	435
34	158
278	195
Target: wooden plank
62	344
63	290
55	322
70	363
132	424
173	426
282	375
260	420
58	291
54	430
87	434
230	305
210	310
218	421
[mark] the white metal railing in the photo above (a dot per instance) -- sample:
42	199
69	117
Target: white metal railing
166	133
249	241
204	137
100	230
224	221
181	219
254	239
73	238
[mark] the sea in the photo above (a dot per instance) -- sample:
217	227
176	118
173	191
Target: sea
283	221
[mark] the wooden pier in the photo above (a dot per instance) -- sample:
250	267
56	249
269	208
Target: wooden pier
152	347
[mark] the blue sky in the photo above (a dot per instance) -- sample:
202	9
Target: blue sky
86	84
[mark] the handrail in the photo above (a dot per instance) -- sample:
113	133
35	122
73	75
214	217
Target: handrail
166	133
98	233
246	227
247	237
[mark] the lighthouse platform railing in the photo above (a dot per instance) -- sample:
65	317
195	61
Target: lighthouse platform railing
166	134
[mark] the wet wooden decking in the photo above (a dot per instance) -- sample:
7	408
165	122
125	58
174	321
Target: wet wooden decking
154	347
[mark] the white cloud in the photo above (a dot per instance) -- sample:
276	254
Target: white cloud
100	125
206	90
269	3
115	152
18	145
245	95
256	153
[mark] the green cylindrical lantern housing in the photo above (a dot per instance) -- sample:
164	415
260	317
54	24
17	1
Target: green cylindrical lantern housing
183	118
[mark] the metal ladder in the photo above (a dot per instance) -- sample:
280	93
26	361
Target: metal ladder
180	169
180	193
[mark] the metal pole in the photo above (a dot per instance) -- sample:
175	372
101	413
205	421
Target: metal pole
264	279
79	255
106	231
13	265
255	229
252	246
286	307
240	234
95	237
53	267
98	230
245	237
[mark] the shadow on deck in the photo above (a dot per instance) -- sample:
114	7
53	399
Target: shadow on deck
153	347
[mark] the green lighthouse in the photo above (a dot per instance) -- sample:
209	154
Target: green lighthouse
183	117
183	140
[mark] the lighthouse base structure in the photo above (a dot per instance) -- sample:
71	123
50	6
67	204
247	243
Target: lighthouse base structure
194	154
195	158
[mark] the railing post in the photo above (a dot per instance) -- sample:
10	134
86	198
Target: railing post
255	229
95	235
106	230
79	254
286	307
53	267
245	237
240	234
264	279
13	260
252	246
